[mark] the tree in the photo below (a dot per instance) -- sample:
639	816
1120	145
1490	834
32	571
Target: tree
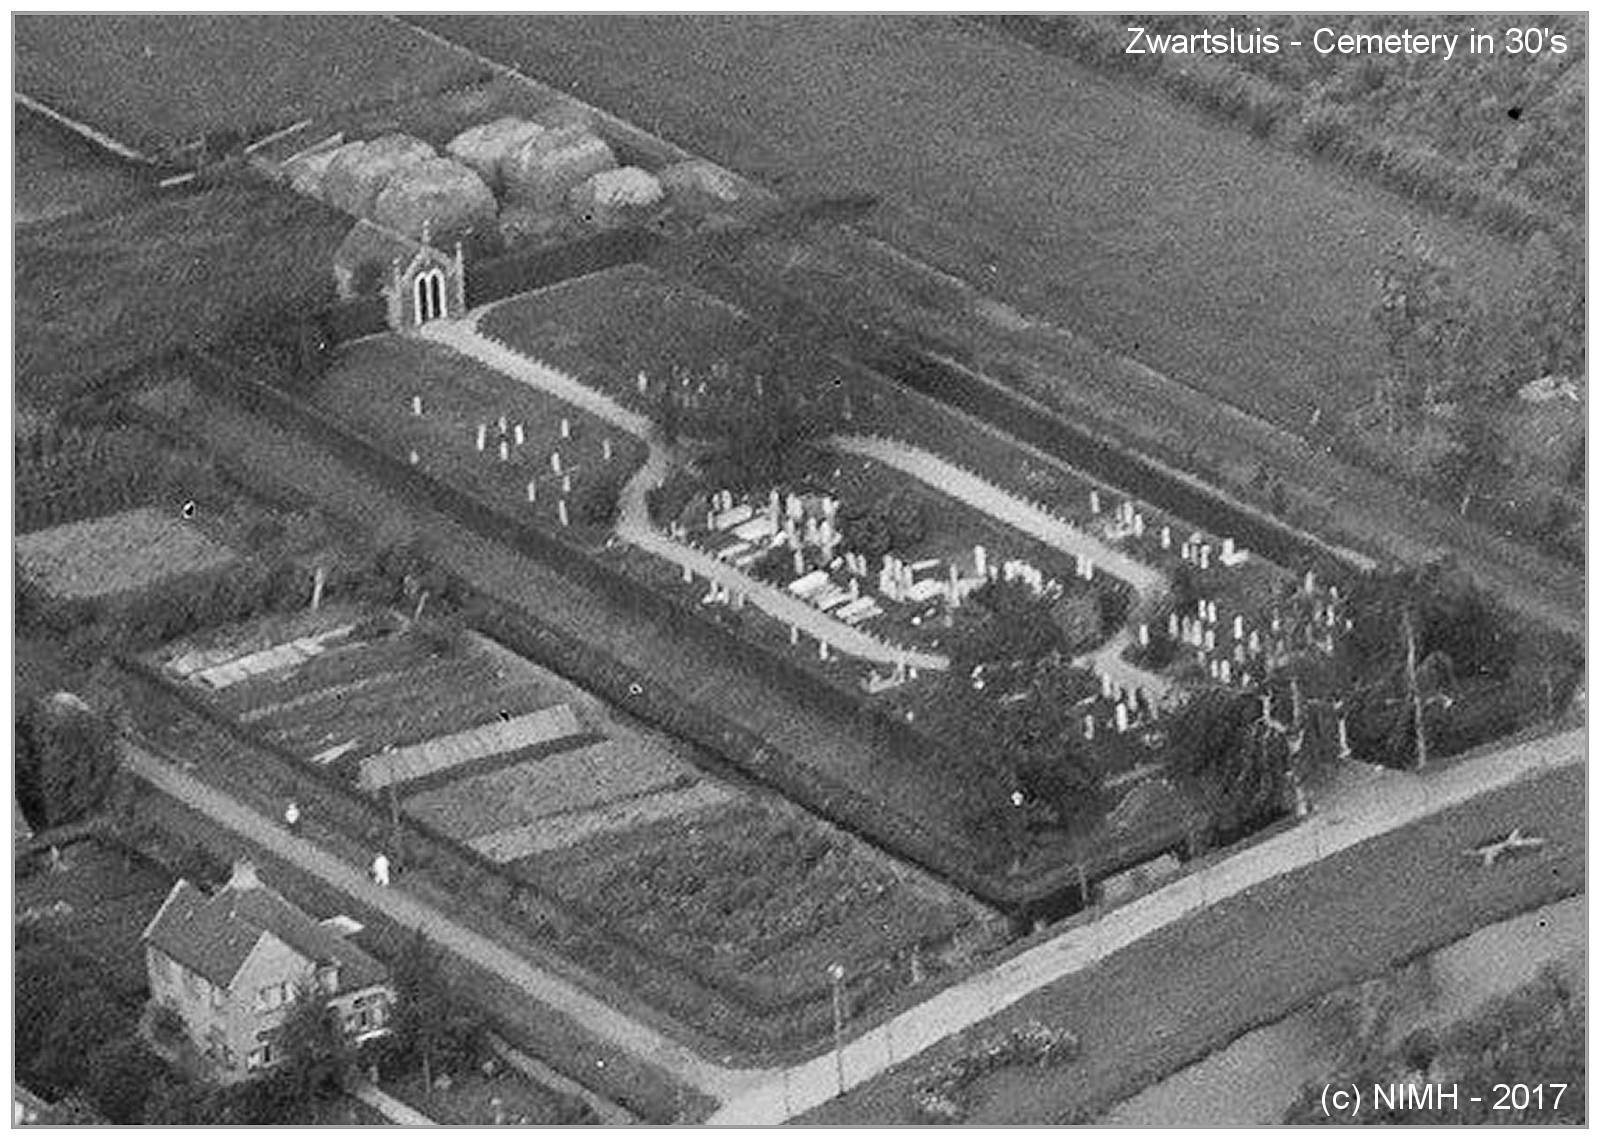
66	757
87	1019
317	1053
1425	322
433	1029
1226	747
122	1074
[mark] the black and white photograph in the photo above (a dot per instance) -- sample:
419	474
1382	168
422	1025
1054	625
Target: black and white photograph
839	568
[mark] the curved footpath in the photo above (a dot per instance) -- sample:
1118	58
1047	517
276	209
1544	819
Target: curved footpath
1037	522
772	1096
633	522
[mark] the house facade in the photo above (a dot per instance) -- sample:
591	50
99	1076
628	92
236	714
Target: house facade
233	964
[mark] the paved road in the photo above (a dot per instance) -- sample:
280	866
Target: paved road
619	1030
633	523
1360	813
395	1111
1365	811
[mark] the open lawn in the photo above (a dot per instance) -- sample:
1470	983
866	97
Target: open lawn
372	387
57	173
100	292
157	82
116	554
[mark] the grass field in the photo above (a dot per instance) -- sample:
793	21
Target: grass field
56	173
372	386
157	82
117	554
100	292
599	816
1153	232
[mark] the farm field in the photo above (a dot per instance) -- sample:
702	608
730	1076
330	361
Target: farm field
372	386
56	173
756	892
547	814
1226	265
117	554
158	82
104	291
372	687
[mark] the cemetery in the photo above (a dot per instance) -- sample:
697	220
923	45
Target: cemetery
513	446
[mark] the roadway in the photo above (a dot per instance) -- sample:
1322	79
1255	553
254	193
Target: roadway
1378	875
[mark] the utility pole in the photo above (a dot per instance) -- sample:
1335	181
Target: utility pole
836	974
1409	627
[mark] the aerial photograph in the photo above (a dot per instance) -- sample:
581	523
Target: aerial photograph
839	569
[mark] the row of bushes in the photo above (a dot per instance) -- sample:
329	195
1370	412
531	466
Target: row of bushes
1307	124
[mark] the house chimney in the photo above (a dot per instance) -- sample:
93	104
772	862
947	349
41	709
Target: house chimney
244	876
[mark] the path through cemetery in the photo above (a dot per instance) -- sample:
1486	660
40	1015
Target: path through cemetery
633	522
948	479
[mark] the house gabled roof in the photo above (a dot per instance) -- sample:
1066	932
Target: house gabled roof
214	935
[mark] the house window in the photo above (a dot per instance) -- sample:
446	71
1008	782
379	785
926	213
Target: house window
272	997
367	1012
264	1054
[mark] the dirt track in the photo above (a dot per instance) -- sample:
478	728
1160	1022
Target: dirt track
1212	258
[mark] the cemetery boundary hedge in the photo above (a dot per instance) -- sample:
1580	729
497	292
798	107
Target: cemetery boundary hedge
1047	892
940	854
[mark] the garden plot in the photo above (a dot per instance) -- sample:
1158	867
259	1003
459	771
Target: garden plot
753	890
117	554
479	808
387	689
442	753
510	445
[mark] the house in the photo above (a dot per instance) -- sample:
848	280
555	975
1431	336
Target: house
418	282
232	964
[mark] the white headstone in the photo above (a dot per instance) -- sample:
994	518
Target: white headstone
519	435
483	436
416	405
605	449
414	457
1094	502
380	870
1166	538
561	511
566	484
505	451
533	490
555	462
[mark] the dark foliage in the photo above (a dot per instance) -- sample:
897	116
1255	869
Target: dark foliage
65	758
